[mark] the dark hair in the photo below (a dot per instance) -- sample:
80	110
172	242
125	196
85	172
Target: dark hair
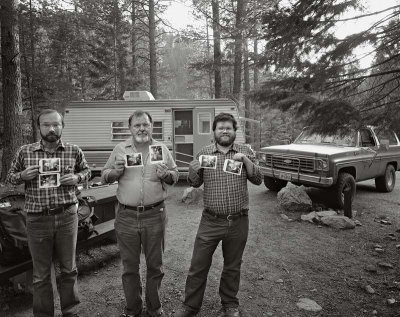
48	111
139	113
223	117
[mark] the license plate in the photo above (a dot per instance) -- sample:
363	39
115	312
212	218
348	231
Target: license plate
285	176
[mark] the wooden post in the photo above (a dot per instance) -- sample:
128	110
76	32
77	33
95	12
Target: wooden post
347	203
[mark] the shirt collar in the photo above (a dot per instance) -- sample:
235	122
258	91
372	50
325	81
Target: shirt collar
234	148
38	146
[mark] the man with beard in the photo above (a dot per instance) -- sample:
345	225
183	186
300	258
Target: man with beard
52	219
141	216
224	218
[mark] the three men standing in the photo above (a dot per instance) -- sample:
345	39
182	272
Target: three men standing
141	216
224	218
52	219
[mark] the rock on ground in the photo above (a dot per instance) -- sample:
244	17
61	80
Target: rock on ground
192	195
338	222
308	304
294	198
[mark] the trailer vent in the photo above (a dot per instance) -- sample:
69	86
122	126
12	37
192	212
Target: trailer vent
137	95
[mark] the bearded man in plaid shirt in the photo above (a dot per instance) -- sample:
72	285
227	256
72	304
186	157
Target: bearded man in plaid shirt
224	218
52	219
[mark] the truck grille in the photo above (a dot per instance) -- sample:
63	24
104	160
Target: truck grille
290	163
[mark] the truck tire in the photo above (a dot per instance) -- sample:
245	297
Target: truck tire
274	184
386	182
344	181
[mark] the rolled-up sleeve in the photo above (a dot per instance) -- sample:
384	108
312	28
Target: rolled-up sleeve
255	177
17	167
82	167
110	164
173	173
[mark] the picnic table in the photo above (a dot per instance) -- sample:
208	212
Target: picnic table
104	209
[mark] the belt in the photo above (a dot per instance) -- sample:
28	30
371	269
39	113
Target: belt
242	213
142	208
52	211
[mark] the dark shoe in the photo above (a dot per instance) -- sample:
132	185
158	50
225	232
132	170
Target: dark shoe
159	314
232	312
184	313
139	314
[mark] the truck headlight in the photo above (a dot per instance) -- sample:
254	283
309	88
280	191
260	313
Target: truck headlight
321	165
262	156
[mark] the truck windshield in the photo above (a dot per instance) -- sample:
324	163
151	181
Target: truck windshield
341	138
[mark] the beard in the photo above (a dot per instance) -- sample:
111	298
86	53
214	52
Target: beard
50	137
225	139
142	138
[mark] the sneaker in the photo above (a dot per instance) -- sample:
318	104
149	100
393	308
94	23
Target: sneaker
139	314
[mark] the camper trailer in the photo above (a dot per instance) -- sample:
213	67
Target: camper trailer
185	126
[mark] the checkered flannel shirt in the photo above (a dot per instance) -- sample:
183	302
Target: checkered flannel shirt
225	193
72	160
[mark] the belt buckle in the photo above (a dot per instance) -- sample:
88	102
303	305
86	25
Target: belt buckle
229	217
140	208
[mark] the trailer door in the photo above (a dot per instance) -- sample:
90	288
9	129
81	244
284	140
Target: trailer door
202	128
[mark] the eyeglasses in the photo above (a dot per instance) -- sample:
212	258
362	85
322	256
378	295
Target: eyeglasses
224	129
139	125
49	126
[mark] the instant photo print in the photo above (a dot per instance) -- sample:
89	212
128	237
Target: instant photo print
156	154
233	167
208	161
49	165
49	180
134	160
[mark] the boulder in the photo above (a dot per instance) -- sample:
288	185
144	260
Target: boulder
294	198
338	222
310	217
325	213
192	195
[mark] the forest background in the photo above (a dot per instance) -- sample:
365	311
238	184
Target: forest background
281	60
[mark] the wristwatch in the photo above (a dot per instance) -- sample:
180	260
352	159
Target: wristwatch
79	178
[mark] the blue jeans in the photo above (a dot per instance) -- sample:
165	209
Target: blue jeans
135	232
233	235
50	237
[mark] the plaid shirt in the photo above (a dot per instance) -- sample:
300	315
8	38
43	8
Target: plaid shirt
72	160
225	193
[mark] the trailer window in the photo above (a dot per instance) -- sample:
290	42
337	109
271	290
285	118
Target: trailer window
120	131
158	130
204	122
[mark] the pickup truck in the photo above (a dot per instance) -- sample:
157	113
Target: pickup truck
334	162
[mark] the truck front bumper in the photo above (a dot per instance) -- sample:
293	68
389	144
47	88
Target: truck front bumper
313	180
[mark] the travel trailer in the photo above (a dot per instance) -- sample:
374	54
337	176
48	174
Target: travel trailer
185	126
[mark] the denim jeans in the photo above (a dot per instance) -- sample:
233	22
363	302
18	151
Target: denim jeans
49	237
135	232
233	235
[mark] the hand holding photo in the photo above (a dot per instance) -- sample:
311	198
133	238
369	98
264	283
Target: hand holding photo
208	161
134	160
50	165
49	180
233	167
156	154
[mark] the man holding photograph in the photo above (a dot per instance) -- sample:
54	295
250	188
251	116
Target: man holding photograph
141	216
52	219
224	218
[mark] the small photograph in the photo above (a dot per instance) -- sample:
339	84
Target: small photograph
156	153
208	161
134	160
49	180
5	204
233	167
50	165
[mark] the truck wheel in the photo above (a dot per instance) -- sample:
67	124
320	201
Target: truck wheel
386	182
273	184
345	181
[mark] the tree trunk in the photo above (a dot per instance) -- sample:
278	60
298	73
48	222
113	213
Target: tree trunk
217	49
255	68
152	49
134	68
12	103
237	71
247	104
120	51
210	81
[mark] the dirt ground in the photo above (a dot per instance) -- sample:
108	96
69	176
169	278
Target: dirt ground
283	261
